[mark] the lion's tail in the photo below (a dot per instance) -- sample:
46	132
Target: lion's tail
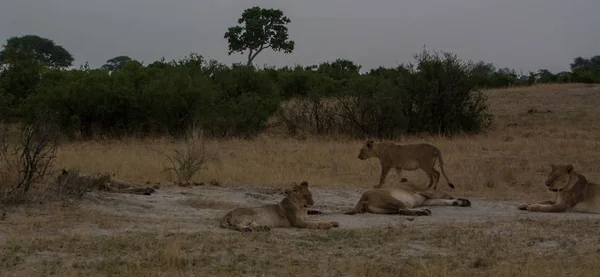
439	155
315	212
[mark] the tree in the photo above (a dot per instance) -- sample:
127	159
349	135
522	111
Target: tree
339	69
116	63
545	76
262	29
37	48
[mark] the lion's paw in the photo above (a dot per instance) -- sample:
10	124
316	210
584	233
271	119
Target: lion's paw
534	208
462	202
423	212
246	229
262	228
523	206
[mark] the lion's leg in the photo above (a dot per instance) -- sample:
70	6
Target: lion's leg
553	208
461	202
118	186
300	223
525	205
399	174
260	228
436	177
361	206
385	169
387	204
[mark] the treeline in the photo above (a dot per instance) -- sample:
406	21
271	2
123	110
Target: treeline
439	93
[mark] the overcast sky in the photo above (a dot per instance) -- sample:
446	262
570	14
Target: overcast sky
520	34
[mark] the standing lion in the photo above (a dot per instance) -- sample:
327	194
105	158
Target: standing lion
405	157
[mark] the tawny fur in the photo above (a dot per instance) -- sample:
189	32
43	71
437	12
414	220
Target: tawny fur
571	192
403	200
405	157
103	183
290	212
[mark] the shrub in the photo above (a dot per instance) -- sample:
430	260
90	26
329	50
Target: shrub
437	96
27	163
185	163
246	99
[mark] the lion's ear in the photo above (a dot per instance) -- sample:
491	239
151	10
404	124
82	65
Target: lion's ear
569	168
304	184
370	144
64	172
295	188
287	192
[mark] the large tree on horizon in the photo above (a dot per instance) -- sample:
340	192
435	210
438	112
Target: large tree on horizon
116	63
261	29
37	48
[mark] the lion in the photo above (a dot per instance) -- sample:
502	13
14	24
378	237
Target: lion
403	200
79	183
571	191
405	157
291	211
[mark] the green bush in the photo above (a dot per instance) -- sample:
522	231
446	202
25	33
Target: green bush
437	96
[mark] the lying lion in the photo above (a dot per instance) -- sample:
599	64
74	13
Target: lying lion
79	183
405	157
291	211
403	200
571	190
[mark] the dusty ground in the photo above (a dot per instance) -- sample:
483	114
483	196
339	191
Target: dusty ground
175	233
196	209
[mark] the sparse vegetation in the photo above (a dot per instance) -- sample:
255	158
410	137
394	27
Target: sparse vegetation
28	162
269	127
185	163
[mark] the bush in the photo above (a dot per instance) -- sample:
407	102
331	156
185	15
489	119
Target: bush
26	164
437	96
186	162
246	99
442	96
157	99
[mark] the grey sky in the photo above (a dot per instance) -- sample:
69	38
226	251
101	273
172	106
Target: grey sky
525	34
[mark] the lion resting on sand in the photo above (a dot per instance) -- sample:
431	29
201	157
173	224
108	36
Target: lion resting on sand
80	183
291	211
405	157
403	200
571	191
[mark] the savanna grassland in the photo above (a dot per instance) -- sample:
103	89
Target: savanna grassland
175	231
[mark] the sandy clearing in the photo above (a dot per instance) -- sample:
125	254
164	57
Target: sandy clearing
169	210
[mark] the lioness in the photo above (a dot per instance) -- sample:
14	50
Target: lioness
80	183
571	191
403	200
405	157
291	211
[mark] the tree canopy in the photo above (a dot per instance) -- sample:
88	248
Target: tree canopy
116	63
35	47
261	29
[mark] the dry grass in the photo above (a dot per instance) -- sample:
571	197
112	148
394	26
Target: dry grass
508	162
510	159
520	248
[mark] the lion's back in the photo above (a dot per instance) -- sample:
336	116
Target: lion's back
267	215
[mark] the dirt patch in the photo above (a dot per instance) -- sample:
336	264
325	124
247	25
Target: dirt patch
176	231
200	208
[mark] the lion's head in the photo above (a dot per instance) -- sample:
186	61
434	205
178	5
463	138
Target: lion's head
367	151
559	177
301	194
